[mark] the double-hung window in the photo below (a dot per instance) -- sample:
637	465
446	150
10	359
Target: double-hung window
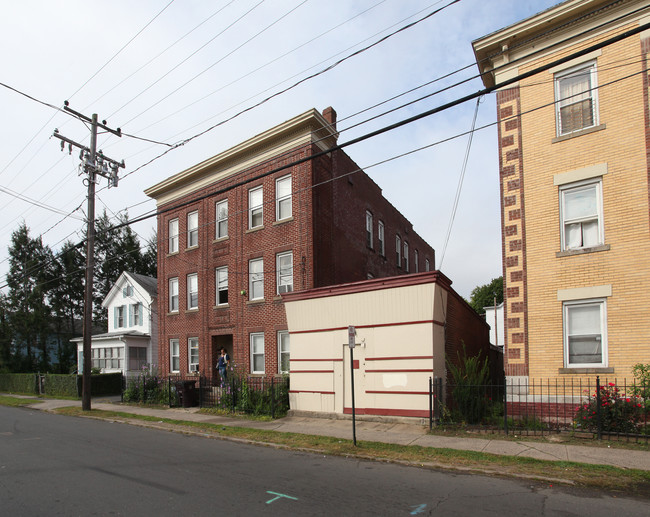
135	315
119	317
406	256
173	236
256	279
369	229
284	272
257	352
380	238
283	198
222	219
173	295
283	351
427	265
193	354
398	250
576	98
174	355
192	229
416	260
585	333
581	215
222	285
255	207
192	291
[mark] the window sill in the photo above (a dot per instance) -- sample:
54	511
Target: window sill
191	311
255	302
171	254
578	133
191	248
172	313
256	229
582	251
282	221
220	239
574	371
223	306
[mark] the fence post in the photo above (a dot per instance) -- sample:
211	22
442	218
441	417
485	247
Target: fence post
200	391
169	392
598	419
430	403
273	397
505	404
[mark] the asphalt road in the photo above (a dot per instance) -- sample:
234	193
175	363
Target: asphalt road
56	465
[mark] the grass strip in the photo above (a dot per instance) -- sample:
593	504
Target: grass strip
603	477
17	402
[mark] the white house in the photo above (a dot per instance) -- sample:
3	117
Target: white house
494	318
132	337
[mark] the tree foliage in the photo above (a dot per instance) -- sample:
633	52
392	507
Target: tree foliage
483	295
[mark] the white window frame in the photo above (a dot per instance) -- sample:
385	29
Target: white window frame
406	256
120	321
173	236
380	238
284	349
192	291
192	354
284	274
221	282
174	355
257	339
427	265
369	225
256	209
283	201
135	315
567	306
588	67
221	213
173	294
598	216
398	250
193	229
256	279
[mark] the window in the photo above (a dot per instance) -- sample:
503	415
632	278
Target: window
127	291
380	238
173	236
222	285
581	215
256	279
192	229
585	339
283	198
255	212
284	271
111	358
193	291
222	219
369	229
283	351
173	295
406	256
577	101
118	322
137	357
398	250
257	352
427	266
174	355
135	315
193	354
416	260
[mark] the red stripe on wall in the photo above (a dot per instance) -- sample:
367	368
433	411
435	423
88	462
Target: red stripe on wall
400	392
402	358
306	391
398	371
421	413
311	371
296	360
377	325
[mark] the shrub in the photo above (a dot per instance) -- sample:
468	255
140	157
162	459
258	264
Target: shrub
469	386
618	413
148	387
19	383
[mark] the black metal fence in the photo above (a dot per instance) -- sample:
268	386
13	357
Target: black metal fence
250	395
607	408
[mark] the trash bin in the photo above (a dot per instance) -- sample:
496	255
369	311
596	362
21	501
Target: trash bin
187	393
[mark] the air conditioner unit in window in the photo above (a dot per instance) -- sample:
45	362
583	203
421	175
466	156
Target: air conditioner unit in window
194	368
282	289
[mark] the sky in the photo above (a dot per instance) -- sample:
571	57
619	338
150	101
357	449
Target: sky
166	71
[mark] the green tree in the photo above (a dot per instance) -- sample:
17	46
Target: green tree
5	335
483	295
29	313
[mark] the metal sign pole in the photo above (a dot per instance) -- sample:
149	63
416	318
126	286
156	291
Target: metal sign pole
351	338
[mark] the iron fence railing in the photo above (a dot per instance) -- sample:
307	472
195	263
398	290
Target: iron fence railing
599	407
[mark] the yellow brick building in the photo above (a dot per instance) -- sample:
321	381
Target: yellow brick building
573	91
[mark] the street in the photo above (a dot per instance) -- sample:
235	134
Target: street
56	465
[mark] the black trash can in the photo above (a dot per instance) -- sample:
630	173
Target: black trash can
187	393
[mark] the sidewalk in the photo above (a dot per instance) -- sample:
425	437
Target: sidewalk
397	433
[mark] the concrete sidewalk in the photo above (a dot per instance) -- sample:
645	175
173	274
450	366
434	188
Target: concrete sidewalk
388	432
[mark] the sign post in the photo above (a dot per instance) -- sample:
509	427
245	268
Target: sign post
351	339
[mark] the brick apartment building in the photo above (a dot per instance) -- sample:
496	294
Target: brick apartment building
274	214
574	150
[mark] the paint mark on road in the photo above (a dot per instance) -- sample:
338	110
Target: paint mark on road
278	496
418	508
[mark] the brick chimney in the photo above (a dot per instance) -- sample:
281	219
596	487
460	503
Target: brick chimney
330	115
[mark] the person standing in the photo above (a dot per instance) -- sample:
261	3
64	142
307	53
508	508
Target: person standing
222	365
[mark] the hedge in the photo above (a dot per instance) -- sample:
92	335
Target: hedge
61	385
19	383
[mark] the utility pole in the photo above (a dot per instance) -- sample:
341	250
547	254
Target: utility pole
94	164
